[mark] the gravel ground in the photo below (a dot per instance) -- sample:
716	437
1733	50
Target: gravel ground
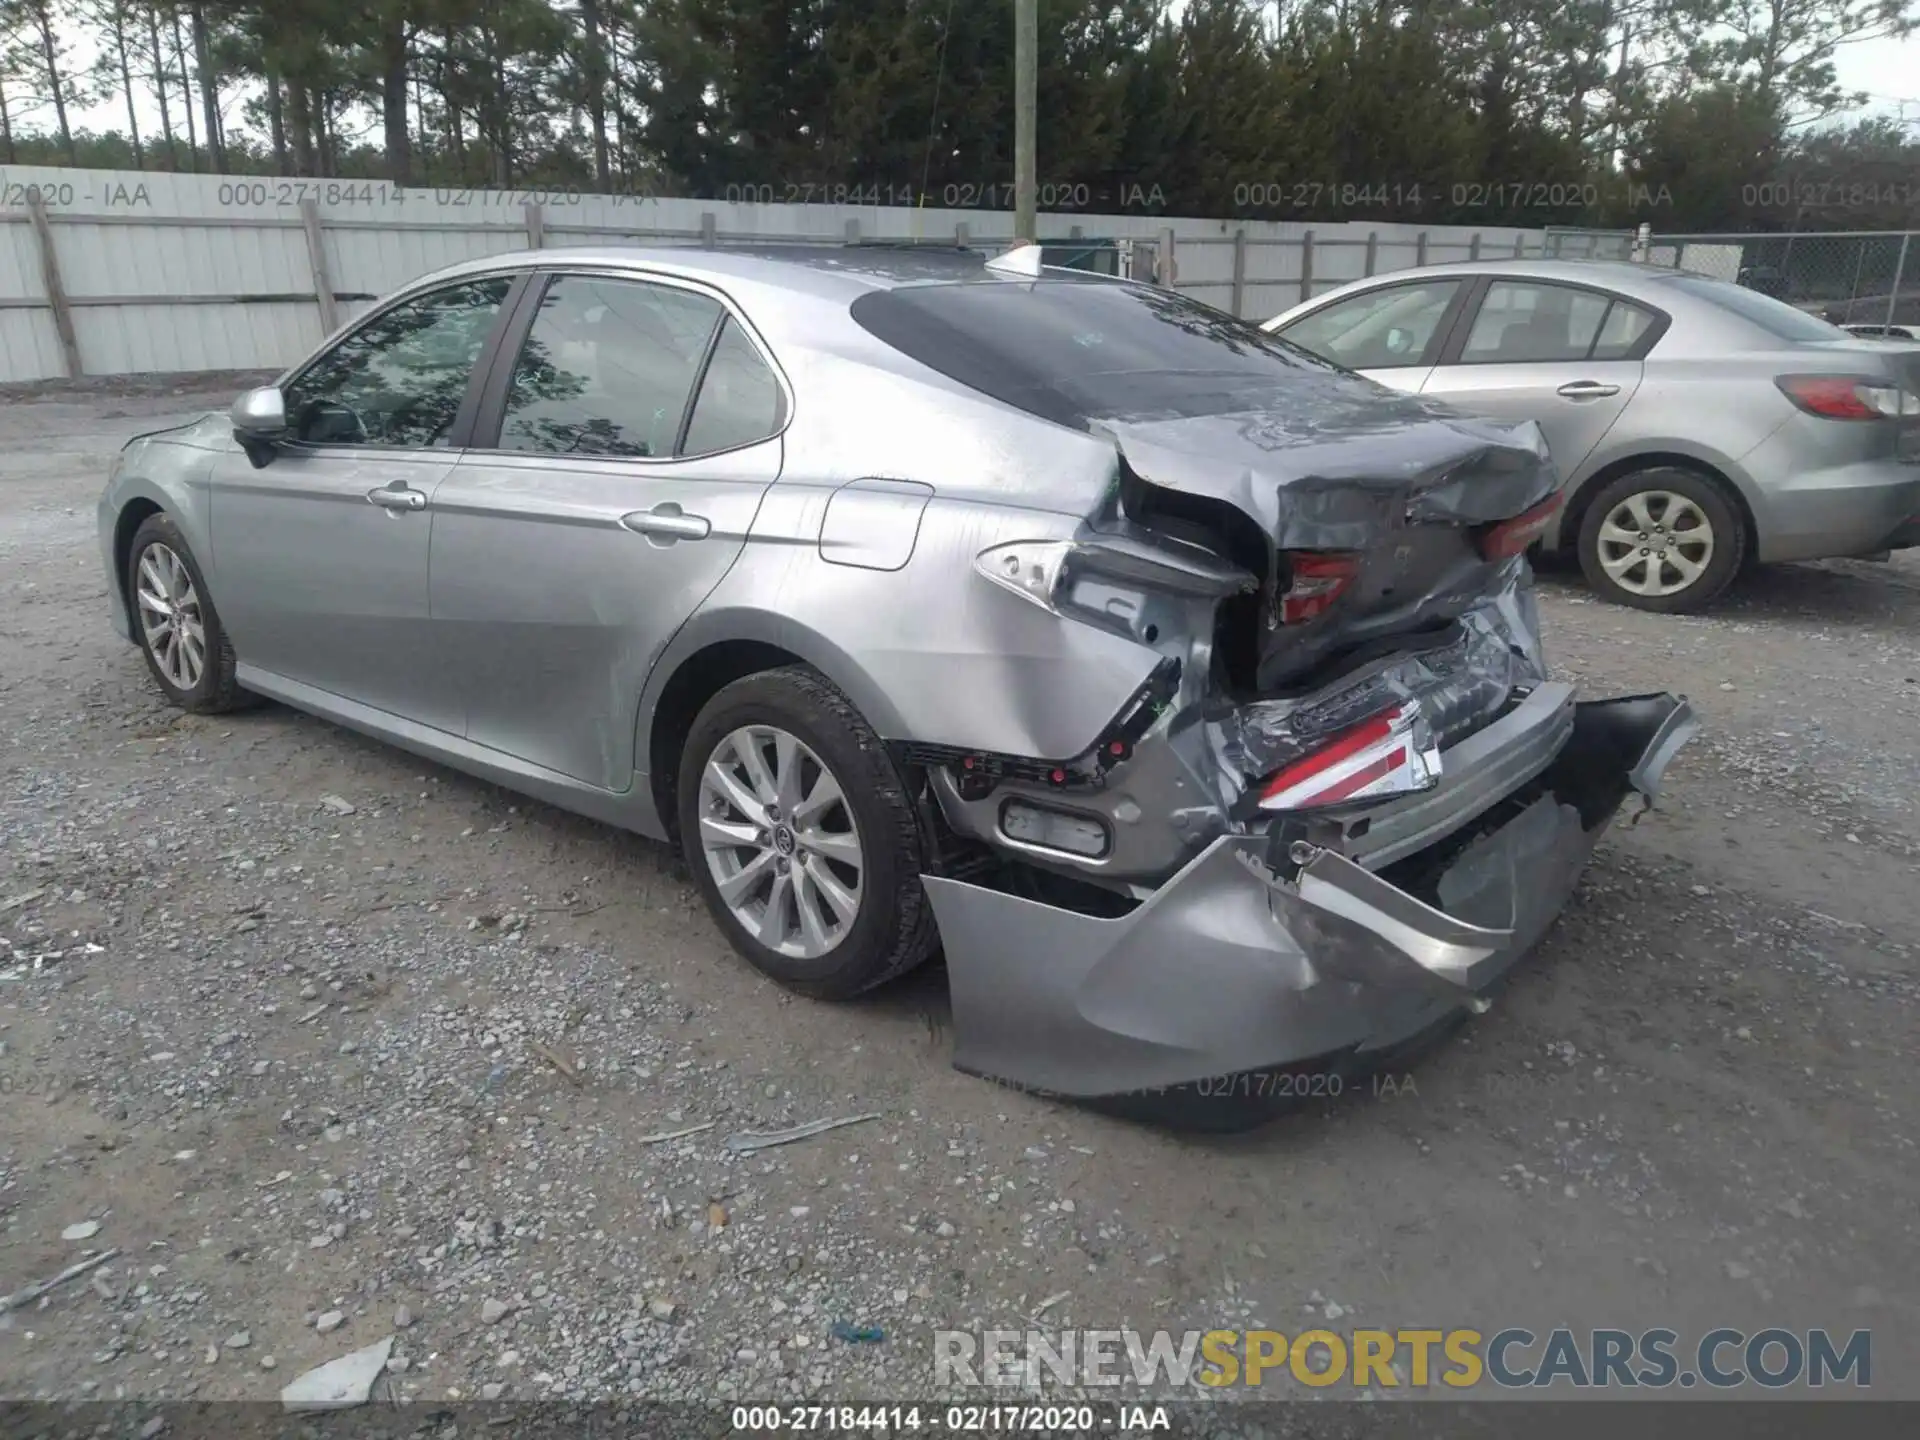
335	1046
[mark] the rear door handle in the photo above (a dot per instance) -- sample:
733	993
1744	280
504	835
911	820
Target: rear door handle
666	523
398	497
1587	390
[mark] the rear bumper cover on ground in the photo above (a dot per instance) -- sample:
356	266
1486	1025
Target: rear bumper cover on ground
1251	962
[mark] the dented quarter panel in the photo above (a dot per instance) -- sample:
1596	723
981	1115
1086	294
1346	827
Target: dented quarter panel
929	651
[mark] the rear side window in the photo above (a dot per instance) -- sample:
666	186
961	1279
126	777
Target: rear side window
1621	331
607	368
1521	322
740	401
1075	351
1776	317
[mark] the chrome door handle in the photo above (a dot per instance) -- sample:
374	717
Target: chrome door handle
1587	390
398	498
666	523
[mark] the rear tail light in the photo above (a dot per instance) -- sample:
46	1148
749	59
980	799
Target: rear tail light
1391	754
1318	578
1848	397
1512	537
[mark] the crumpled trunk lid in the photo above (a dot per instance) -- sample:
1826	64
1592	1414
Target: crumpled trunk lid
1334	464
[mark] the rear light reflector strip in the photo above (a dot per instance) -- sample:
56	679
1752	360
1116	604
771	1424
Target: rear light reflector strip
1390	754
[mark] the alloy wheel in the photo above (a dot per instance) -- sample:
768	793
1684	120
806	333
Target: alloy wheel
170	616
780	841
1655	543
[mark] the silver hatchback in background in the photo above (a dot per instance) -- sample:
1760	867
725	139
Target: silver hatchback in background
1698	425
1183	688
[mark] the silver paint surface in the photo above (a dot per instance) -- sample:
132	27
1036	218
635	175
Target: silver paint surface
1705	394
526	621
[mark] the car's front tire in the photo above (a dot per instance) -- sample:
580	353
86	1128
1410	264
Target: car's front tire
174	621
1662	539
801	836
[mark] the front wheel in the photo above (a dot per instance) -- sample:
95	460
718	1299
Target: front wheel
179	631
802	837
1666	539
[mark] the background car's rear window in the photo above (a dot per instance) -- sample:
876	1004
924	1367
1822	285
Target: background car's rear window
1076	351
1776	317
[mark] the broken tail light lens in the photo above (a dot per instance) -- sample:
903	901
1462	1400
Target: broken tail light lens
1316	580
1512	537
1848	397
1390	754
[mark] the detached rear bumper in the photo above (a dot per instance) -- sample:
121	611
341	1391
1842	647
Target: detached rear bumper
1267	966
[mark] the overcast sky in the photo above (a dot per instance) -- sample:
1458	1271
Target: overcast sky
1888	71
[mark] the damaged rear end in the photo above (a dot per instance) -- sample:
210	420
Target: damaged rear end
1348	797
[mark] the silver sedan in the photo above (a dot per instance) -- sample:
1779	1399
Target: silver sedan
1185	689
1698	425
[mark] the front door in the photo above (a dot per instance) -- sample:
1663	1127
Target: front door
627	446
1560	355
321	553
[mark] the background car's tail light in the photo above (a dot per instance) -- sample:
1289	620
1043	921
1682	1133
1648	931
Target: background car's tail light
1317	580
1848	397
1512	537
1389	754
1054	829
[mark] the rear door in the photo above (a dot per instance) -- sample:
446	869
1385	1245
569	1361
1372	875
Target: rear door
1391	333
620	455
1567	356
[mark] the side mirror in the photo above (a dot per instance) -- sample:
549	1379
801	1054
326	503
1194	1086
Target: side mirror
260	414
260	422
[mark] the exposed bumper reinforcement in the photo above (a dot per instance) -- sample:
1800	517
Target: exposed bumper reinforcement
1242	967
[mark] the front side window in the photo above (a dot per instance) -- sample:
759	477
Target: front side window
607	368
398	380
1380	330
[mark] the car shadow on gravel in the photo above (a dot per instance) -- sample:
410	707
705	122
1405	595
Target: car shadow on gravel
1821	591
1826	591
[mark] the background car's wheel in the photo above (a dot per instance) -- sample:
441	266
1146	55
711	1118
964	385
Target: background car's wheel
1663	539
802	837
178	629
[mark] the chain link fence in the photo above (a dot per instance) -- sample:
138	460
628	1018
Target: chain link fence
1869	279
1565	243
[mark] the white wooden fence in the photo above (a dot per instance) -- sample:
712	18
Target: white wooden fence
119	272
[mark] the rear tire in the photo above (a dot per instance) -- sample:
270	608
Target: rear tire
801	836
1662	539
174	622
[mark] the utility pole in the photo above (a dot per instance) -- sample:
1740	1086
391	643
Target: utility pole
1026	83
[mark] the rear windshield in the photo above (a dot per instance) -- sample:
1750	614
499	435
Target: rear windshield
1776	317
1078	351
